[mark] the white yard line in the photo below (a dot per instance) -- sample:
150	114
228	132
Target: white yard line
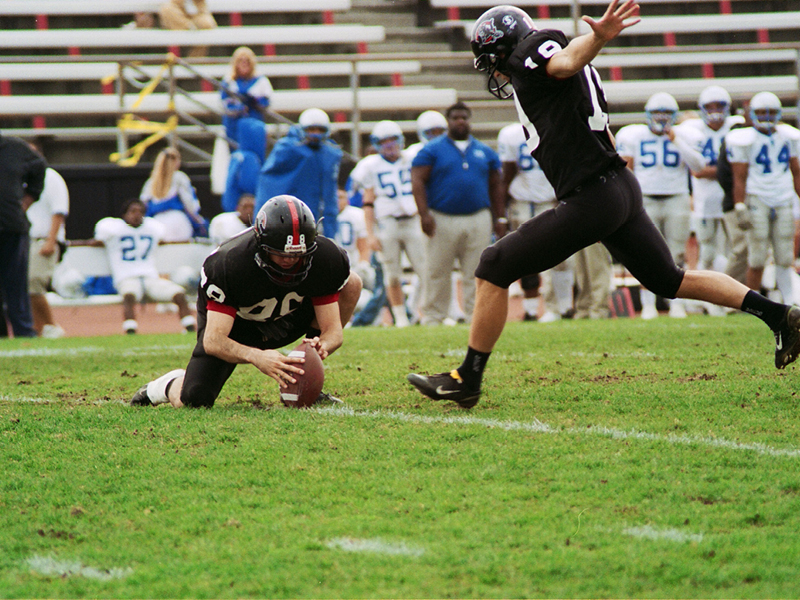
672	535
83	350
375	546
51	567
537	426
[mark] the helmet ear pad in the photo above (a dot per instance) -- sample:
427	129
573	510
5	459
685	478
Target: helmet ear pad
285	226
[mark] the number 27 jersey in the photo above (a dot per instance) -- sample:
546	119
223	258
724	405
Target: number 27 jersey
565	120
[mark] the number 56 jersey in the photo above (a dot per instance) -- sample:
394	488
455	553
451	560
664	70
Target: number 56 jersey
565	120
232	282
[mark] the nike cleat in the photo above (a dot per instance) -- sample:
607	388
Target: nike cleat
140	398
445	386
787	338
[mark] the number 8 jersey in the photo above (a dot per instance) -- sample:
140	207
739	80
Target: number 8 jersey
769	175
565	120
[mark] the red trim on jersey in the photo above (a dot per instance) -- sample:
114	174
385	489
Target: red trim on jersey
322	300
223	308
295	223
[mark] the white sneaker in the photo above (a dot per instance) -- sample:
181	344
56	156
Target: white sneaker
716	311
449	322
52	332
550	317
189	324
130	326
649	312
677	310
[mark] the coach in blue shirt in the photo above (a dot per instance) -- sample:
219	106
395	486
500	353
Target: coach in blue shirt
456	182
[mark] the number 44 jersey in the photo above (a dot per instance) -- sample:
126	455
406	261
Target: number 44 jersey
565	120
769	175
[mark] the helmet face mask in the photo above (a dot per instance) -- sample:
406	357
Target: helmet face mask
388	140
285	229
495	35
661	111
715	106
765	112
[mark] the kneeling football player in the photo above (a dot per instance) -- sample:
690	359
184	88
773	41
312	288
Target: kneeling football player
272	284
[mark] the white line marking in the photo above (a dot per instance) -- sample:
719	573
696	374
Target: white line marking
83	350
48	566
537	426
673	535
374	546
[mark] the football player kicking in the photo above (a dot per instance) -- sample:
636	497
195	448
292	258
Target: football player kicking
272	284
562	106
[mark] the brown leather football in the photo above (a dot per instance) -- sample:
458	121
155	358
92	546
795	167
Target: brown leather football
305	391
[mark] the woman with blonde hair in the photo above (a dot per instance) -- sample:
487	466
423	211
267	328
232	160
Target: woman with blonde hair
244	94
170	199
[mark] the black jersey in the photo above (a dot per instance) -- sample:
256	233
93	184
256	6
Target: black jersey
565	120
231	277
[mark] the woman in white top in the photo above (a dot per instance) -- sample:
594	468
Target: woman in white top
171	200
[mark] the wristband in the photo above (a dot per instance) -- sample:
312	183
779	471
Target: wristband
740	206
501	220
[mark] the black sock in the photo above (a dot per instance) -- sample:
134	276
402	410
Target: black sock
765	309
471	370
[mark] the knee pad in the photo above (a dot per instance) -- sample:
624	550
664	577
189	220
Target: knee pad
197	396
491	267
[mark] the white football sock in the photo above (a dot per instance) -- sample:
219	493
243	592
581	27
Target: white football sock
400	316
783	279
531	305
647	297
562	282
157	389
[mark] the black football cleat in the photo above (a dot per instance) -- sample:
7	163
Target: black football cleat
787	338
140	398
445	386
326	398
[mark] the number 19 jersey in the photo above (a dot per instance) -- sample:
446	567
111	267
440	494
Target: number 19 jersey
565	120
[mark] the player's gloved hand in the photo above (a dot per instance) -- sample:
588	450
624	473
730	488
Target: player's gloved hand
743	218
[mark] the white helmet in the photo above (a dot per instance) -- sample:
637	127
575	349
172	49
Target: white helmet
662	111
315	117
714	94
427	121
387	130
770	107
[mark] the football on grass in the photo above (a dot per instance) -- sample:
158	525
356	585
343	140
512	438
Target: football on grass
306	389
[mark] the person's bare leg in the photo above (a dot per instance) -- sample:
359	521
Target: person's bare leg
42	314
714	287
489	317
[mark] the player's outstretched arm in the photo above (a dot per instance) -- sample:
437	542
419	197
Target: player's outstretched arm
582	50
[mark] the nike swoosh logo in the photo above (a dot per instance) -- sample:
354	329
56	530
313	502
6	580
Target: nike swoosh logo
779	342
442	392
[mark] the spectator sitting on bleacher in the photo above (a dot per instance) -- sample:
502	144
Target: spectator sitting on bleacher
187	14
245	163
226	225
141	20
244	94
170	198
305	163
130	244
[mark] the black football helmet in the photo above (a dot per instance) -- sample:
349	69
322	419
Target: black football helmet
495	35
285	226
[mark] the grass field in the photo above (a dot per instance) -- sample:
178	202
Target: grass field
606	459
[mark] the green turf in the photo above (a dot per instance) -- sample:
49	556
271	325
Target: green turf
606	459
